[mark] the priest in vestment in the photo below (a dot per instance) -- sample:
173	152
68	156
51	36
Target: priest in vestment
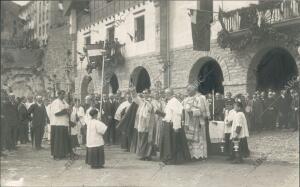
145	127
196	112
173	146
158	107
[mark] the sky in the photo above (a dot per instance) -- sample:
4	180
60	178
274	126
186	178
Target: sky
21	2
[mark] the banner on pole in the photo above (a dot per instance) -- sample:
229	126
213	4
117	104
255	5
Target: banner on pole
200	23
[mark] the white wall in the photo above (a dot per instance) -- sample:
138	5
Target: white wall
180	22
132	48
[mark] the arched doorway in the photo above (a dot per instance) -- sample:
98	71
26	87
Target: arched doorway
140	79
272	69
113	84
87	87
206	74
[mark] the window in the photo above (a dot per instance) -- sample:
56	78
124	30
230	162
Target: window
2	24
139	30
40	31
87	40
43	30
111	34
47	14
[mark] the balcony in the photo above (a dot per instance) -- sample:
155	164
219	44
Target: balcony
276	20
113	56
276	13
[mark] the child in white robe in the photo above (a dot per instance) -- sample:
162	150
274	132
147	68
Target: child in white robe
239	133
94	141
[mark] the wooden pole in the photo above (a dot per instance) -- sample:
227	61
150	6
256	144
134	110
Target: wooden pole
102	82
213	99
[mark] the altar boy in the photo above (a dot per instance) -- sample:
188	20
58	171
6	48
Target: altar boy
94	141
239	134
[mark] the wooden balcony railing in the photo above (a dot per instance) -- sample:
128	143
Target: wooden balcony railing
270	12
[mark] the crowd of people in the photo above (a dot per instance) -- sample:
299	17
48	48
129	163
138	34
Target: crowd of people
173	126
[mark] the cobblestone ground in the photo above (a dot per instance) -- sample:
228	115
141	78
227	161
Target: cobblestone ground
279	168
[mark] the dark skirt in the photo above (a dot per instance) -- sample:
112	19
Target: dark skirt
74	141
173	145
134	139
144	148
95	156
60	142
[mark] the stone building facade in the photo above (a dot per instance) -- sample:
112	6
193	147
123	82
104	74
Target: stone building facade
166	53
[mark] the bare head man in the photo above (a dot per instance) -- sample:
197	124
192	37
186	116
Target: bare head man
61	94
169	93
191	90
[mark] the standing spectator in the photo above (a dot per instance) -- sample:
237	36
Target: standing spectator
270	111
39	121
3	125
77	117
249	110
60	141
295	110
24	120
257	113
219	108
12	123
30	101
108	119
263	115
283	109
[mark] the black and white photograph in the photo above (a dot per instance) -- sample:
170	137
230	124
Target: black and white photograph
146	93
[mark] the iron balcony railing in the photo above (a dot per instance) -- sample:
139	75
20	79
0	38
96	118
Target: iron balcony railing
270	12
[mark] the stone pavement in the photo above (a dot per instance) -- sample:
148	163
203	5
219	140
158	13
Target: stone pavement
279	168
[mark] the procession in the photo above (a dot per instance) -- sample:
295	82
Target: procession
177	126
150	93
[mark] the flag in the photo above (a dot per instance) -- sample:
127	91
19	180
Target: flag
200	22
60	5
95	52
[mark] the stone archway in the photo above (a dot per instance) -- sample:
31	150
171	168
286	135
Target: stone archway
206	74
87	87
271	68
140	78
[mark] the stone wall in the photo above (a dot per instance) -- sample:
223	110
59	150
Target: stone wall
57	54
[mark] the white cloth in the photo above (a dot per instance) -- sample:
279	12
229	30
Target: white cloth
77	112
57	106
239	120
125	105
95	132
173	111
216	131
229	116
28	105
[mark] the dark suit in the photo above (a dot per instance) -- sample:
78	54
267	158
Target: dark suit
39	121
283	109
24	119
108	119
12	120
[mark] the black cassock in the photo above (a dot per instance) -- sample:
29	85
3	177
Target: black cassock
108	119
12	121
39	121
126	125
